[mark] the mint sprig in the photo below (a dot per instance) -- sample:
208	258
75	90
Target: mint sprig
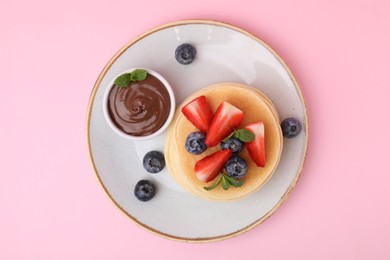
242	134
136	75
235	183
226	181
215	184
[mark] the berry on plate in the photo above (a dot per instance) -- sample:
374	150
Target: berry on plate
291	127
195	143
199	113
153	162
144	190
224	121
208	168
185	53
256	148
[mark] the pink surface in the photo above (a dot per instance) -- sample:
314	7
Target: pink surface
52	206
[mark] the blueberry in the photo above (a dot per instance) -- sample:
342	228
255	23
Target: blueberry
153	161
185	53
195	143
291	127
233	144
144	190
236	167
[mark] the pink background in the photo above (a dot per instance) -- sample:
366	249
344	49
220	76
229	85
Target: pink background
51	204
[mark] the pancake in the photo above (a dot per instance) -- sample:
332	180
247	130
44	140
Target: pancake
256	107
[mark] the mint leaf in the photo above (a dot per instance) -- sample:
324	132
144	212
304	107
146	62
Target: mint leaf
245	135
123	80
214	185
241	134
138	74
225	183
234	182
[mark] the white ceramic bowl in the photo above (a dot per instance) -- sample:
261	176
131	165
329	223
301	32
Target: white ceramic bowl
133	137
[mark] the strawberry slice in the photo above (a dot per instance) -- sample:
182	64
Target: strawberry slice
256	148
199	113
224	121
208	168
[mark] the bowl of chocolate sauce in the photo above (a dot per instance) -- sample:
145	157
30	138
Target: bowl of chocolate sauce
143	109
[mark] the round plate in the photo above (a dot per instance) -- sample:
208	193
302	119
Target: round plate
224	54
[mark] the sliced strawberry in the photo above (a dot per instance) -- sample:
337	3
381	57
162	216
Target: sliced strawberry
224	121
256	148
199	113
208	168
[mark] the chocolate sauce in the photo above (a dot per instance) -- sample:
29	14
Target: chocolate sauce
140	109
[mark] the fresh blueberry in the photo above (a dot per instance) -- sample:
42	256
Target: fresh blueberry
144	190
291	127
185	53
195	143
233	144
153	162
236	167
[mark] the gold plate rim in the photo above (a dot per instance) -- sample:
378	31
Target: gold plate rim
88	118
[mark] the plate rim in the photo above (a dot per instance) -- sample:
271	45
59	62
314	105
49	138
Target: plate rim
88	138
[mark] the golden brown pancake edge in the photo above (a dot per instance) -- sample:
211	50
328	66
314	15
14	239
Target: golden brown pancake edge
256	107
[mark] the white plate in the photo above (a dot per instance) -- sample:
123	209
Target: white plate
224	53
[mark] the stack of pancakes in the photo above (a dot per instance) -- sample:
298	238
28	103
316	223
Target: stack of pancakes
256	107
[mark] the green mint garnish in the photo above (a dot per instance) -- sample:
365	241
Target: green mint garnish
226	182
215	184
245	135
234	182
123	80
242	134
136	75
